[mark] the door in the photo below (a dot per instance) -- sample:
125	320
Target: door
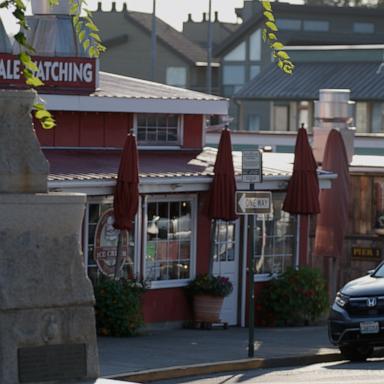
226	263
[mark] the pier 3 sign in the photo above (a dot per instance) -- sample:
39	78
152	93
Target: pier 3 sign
70	74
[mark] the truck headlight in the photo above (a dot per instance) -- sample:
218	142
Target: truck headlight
341	300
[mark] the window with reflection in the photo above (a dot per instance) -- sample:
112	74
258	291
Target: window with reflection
102	243
274	236
169	240
158	129
225	241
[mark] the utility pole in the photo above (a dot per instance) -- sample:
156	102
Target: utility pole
154	43
209	49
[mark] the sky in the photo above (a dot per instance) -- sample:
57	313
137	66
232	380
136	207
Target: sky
174	12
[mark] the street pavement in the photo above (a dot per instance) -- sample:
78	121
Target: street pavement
174	353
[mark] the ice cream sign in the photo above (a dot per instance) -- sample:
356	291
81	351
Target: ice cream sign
71	74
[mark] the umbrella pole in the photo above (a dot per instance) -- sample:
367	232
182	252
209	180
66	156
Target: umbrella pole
213	235
118	255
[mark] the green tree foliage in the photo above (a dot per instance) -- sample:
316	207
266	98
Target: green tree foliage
270	36
87	33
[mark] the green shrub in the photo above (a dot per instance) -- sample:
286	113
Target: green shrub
295	297
118	306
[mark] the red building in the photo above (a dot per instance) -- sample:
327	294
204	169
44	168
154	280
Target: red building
171	241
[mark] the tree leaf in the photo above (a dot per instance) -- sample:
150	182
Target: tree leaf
86	44
92	27
95	36
48	124
271	26
267	5
42	113
269	16
272	36
264	34
34	82
283	55
81	36
39	106
277	45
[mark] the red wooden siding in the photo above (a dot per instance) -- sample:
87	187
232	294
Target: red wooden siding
86	129
67	130
166	304
91	129
118	125
193	131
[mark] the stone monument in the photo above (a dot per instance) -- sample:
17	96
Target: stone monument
47	323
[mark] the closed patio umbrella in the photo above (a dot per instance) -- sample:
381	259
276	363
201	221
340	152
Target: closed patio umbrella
126	195
223	187
333	220
302	196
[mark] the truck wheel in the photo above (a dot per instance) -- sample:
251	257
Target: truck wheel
356	352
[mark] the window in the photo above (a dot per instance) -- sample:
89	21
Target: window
254	70
363	27
289	24
362	117
253	122
237	54
377	118
233	78
255	46
102	242
280	118
169	243
275	254
158	129
225	241
177	76
316	26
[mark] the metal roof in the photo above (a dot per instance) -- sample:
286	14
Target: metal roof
112	85
102	165
365	81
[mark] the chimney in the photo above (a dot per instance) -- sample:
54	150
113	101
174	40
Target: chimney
204	16
333	110
216	17
48	25
190	18
5	44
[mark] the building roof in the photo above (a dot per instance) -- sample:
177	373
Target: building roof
166	34
281	9
365	81
170	36
118	93
74	165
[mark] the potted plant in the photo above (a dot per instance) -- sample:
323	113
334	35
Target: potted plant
207	292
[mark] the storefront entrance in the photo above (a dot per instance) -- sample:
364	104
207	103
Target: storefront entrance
226	263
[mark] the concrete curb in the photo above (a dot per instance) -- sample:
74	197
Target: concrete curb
225	366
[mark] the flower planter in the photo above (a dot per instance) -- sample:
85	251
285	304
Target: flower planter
207	308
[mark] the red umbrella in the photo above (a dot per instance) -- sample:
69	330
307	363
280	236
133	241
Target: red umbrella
223	188
303	188
126	196
333	220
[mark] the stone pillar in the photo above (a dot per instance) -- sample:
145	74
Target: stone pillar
23	167
47	323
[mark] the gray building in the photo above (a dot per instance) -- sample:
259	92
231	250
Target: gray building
243	56
127	36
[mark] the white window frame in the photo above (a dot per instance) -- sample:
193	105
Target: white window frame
180	133
137	247
170	198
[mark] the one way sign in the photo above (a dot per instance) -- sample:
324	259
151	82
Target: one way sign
254	202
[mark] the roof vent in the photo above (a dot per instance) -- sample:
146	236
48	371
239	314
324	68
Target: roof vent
333	110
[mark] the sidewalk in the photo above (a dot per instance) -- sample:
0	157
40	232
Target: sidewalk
162	351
